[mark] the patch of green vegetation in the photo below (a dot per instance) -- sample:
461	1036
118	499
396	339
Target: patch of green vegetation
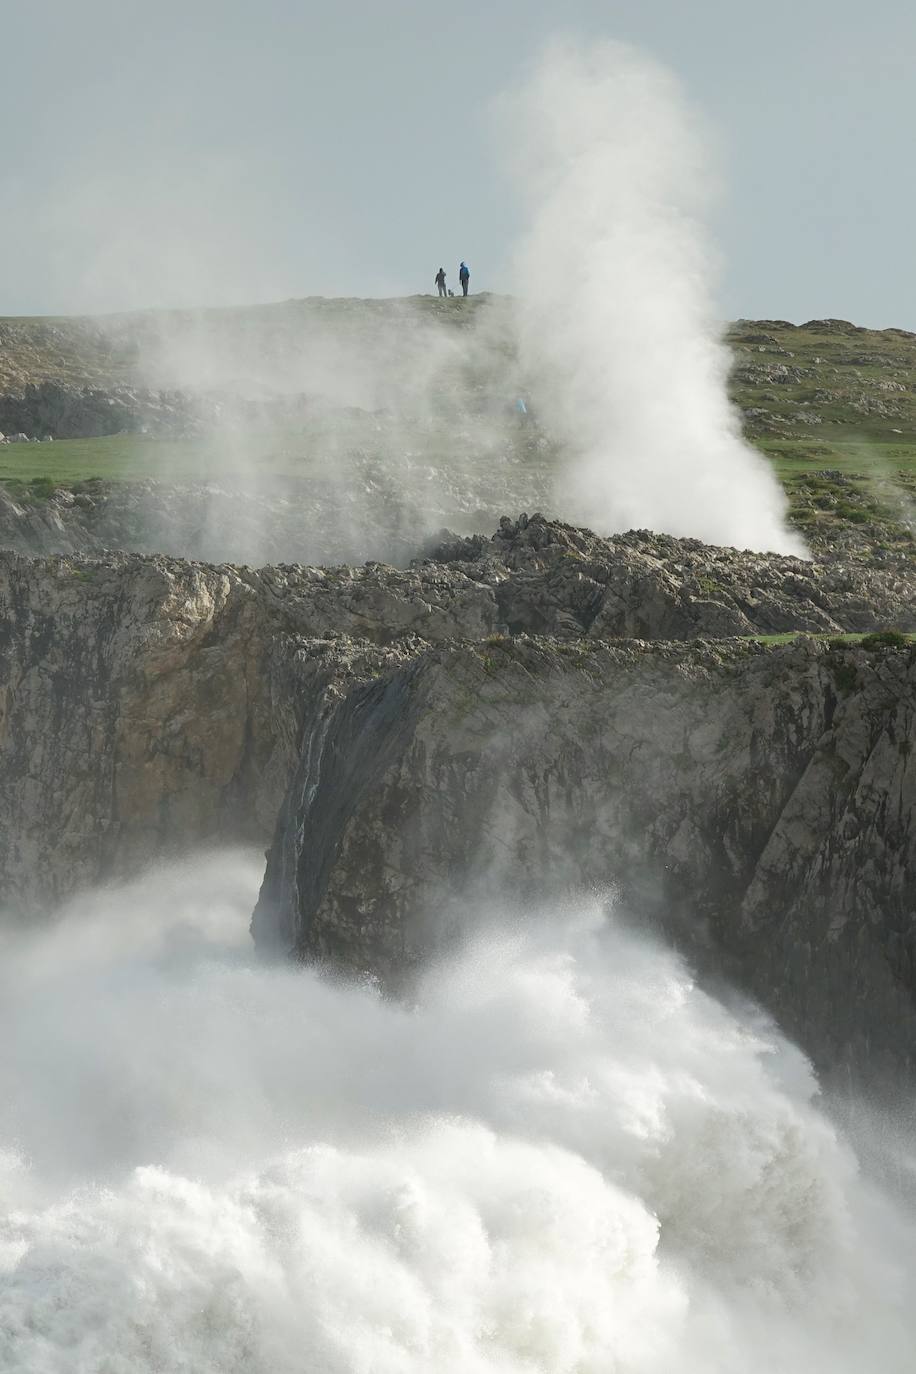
830	405
120	457
885	639
846	677
880	639
773	639
845	671
707	586
40	488
300	453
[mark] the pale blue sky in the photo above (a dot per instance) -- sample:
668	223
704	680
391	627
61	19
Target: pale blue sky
201	152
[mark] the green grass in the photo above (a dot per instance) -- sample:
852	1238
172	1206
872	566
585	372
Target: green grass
852	639
119	458
135	457
874	459
458	445
873	498
124	456
859	384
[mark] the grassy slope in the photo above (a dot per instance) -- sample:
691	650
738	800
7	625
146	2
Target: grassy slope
829	397
826	395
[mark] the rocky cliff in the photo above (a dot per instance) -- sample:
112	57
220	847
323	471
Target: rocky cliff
545	577
758	803
228	519
150	705
527	713
551	578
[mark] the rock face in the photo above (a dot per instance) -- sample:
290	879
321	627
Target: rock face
290	521
148	705
60	411
136	712
543	577
551	578
757	803
491	718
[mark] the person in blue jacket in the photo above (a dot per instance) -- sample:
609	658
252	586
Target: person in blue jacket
464	276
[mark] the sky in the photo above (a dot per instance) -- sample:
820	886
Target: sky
216	152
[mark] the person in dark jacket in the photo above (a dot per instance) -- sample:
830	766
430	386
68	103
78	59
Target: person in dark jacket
440	281
464	276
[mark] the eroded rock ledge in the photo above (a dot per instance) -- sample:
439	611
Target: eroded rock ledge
552	578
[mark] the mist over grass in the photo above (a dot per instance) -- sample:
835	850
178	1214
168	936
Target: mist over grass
612	342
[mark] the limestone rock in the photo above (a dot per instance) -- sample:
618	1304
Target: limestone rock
493	714
758	804
149	705
644	585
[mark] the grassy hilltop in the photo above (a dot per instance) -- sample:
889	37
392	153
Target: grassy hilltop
833	406
830	404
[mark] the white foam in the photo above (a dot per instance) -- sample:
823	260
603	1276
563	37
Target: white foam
563	1157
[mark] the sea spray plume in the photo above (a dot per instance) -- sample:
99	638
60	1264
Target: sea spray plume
563	1156
393	428
616	324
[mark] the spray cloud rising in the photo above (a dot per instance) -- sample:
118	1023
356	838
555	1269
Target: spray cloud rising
616	319
562	1157
394	418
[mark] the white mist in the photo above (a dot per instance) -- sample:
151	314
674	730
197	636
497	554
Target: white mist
616	322
564	1157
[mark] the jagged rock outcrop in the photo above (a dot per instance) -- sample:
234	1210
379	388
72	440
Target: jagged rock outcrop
137	711
544	577
759	803
649	586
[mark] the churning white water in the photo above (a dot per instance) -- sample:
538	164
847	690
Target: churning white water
562	1157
